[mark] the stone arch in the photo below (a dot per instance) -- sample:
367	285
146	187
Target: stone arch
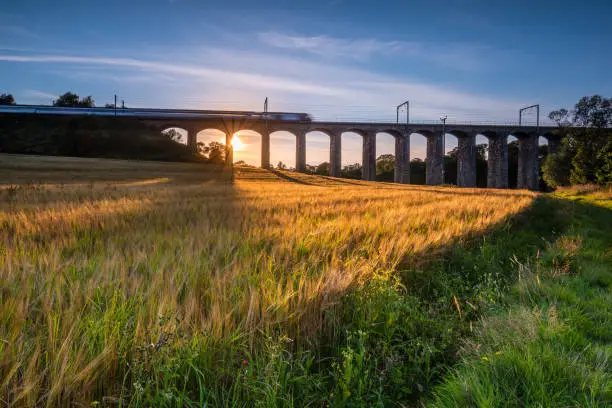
251	145
417	155
352	153
450	152
283	145
178	133
206	136
386	145
482	156
318	150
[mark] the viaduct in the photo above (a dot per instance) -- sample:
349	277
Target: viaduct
231	122
497	176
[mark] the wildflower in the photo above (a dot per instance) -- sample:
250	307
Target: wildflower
244	362
485	358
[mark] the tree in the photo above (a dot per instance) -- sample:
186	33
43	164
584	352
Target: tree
215	152
7	99
352	171
281	166
385	165
173	135
322	169
584	155
72	100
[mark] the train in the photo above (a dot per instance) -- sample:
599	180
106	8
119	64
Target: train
156	113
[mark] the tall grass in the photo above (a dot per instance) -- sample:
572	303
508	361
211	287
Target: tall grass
179	290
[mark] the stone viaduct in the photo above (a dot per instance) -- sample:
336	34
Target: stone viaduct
497	176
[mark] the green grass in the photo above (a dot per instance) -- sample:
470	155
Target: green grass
549	342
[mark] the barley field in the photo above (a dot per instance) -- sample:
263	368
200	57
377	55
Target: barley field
166	284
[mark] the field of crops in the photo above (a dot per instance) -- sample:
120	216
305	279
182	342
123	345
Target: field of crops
141	283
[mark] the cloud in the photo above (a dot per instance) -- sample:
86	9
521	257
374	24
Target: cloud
222	78
459	56
33	93
331	47
249	79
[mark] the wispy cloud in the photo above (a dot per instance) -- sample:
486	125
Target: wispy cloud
263	81
460	56
332	47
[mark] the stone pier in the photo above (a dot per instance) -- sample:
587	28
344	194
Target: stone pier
528	170
434	161
300	151
497	175
192	139
265	150
229	150
335	154
368	170
466	160
401	171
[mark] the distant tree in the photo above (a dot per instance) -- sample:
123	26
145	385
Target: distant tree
72	100
322	169
109	106
385	165
7	99
173	135
417	171
352	171
215	152
281	166
585	152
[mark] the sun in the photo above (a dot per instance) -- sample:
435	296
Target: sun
237	143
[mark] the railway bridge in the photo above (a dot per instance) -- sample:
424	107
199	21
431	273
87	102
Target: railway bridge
497	135
194	121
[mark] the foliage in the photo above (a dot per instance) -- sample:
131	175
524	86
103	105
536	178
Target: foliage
584	153
351	171
214	152
73	100
281	166
7	99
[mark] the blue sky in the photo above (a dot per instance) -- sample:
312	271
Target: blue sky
350	60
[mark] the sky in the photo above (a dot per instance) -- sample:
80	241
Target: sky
474	61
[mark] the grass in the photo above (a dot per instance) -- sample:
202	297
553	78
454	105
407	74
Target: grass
148	284
549	345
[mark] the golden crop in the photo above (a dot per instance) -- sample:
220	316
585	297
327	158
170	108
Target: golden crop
79	260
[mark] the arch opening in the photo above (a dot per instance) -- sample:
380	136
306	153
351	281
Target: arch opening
482	157
351	156
177	134
385	157
318	145
451	160
417	155
283	148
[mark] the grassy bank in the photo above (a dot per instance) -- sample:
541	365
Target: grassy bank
548	343
278	290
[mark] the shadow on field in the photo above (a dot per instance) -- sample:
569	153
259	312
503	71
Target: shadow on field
470	258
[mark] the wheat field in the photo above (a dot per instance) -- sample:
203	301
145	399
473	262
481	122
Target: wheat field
106	266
